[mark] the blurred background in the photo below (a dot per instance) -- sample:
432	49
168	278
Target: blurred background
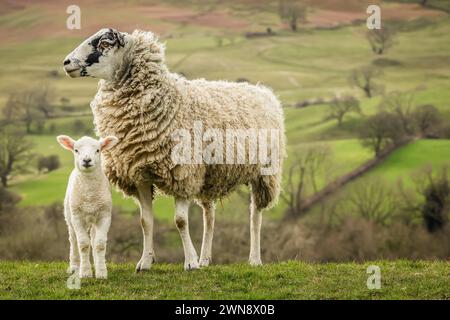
367	122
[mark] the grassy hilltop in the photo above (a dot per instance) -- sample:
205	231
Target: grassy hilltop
286	280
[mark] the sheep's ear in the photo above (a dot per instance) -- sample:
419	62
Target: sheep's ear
120	38
108	142
66	142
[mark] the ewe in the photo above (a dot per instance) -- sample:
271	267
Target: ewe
145	105
87	205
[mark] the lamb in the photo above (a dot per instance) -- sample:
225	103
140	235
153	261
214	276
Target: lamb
87	205
147	107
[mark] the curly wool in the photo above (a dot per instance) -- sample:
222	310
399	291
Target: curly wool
146	103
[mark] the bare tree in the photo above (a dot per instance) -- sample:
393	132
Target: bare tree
373	200
44	96
309	165
14	153
364	77
381	39
292	12
30	106
341	106
10	111
381	130
400	103
26	106
427	119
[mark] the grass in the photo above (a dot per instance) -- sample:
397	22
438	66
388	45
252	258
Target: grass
286	280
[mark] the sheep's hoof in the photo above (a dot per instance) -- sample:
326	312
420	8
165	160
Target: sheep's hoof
86	273
144	264
101	274
255	262
191	265
204	262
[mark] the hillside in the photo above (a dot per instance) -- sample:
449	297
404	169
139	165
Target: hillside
286	280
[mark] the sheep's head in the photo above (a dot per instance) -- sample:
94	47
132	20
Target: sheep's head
99	56
87	150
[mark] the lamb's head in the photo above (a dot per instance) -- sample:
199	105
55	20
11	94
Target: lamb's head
87	151
99	56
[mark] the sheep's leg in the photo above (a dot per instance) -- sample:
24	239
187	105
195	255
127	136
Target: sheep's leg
74	256
182	222
83	247
145	195
208	230
255	232
99	246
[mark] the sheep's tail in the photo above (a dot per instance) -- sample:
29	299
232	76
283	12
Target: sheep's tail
265	191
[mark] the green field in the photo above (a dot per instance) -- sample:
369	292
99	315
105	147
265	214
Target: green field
286	280
409	159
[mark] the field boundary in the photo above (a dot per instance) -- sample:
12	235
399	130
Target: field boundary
341	181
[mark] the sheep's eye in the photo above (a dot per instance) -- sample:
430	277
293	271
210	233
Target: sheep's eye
76	150
98	150
104	45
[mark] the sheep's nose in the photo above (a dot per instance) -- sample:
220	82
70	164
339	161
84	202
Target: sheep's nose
66	62
86	161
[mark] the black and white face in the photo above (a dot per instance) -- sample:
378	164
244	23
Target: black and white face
99	56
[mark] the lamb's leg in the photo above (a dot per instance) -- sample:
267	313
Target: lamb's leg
145	195
74	256
208	230
99	247
255	232
92	235
182	222
83	246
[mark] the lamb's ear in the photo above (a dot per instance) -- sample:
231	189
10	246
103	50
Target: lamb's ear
66	142
108	142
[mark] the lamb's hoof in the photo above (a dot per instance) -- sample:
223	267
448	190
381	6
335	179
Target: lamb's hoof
72	269
101	274
204	262
255	262
86	273
144	264
191	265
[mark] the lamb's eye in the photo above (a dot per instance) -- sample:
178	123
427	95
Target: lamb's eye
104	45
76	150
98	150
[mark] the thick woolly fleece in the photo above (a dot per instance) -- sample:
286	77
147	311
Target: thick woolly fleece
146	103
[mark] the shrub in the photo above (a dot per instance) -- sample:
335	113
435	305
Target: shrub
8	200
48	164
436	207
242	80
